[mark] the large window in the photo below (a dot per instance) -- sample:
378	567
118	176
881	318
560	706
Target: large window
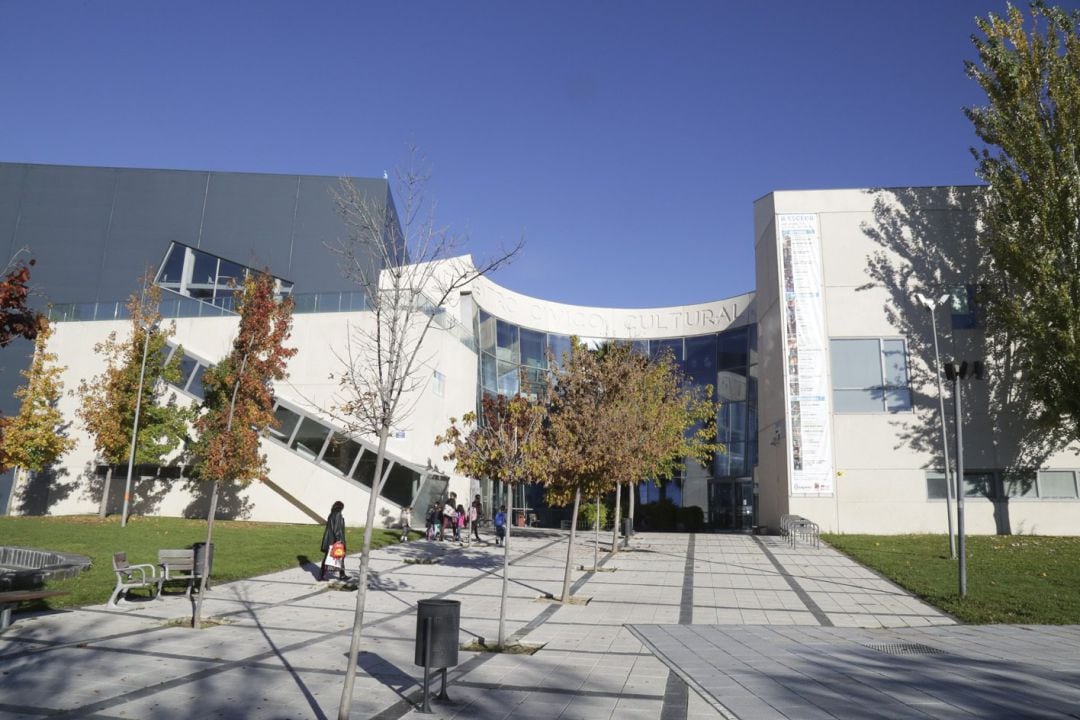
870	375
997	484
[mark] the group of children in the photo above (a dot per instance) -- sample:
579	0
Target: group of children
449	515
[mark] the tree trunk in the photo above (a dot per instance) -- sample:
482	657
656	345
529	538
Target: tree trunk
618	519
361	591
105	493
505	577
631	489
596	536
197	620
570	547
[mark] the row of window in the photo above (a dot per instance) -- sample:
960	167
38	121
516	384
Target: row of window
318	442
997	485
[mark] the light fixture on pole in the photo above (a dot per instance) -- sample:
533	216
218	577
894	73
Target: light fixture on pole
956	372
931	305
148	330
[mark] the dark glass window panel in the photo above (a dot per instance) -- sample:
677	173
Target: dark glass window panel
399	486
701	360
327	302
187	367
365	469
172	268
979	484
559	347
187	307
195	387
507	341
964	309
205	269
286	422
310	438
935	486
639	347
648	492
895	357
533	348
898	400
230	272
673	492
340	453
673	346
731	349
353	301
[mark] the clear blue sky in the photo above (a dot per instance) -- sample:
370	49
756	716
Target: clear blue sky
626	140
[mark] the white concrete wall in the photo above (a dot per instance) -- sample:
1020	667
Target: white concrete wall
880	462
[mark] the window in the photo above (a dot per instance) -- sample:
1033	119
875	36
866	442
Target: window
935	486
310	438
1057	484
438	383
286	423
340	453
870	375
965	312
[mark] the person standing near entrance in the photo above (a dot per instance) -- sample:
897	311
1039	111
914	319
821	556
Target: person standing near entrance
500	525
476	514
333	541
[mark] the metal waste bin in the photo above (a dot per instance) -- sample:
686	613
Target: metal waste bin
445	617
200	558
627	527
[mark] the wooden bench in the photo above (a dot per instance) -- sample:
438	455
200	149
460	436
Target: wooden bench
10	598
132	577
177	566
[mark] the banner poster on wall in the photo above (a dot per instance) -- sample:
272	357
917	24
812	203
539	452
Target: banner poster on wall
805	345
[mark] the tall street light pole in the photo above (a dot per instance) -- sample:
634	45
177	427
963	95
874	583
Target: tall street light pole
147	330
931	305
955	373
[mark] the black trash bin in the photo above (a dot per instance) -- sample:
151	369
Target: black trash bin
200	558
445	616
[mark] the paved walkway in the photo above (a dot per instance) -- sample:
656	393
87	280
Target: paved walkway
684	626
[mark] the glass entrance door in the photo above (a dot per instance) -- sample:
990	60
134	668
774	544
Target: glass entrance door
731	504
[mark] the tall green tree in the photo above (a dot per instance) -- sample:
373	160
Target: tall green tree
409	270
36	437
1029	67
108	400
506	446
238	404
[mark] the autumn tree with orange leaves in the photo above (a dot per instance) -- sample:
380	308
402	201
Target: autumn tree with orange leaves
239	398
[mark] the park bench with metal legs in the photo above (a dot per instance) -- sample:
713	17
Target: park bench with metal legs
9	599
132	577
178	566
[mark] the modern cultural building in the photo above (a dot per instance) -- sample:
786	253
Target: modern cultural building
824	370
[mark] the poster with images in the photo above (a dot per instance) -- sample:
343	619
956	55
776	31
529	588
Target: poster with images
805	343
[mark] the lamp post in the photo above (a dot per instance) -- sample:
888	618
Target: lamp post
931	305
955	373
147	331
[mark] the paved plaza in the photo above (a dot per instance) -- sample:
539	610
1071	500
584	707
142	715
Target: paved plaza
684	626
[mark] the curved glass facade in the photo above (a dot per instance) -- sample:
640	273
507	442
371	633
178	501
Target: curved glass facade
513	359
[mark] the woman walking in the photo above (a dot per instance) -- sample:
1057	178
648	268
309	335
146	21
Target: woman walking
333	541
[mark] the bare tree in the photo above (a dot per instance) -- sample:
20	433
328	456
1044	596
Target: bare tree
408	270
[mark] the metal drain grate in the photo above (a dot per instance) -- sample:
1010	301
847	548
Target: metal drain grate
905	649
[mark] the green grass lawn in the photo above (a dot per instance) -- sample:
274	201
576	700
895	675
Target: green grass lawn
241	549
1010	579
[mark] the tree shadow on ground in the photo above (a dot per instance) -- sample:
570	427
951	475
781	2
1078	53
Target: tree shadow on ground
928	240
